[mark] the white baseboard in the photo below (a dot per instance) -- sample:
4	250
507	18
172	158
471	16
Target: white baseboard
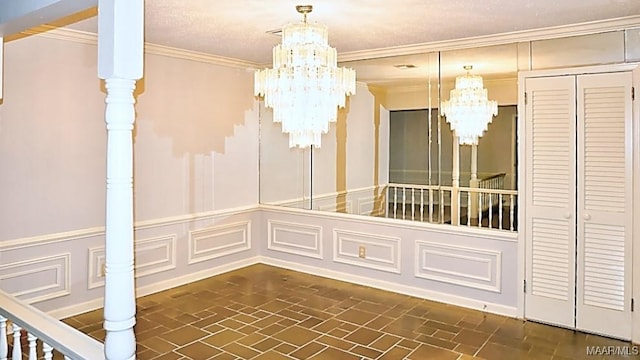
156	287
469	303
76	309
361	280
189	278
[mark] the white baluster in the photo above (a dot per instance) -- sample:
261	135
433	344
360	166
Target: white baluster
386	201
430	205
32	346
47	350
441	206
490	210
395	202
17	345
511	212
413	204
404	202
481	201
469	195
500	211
421	204
3	339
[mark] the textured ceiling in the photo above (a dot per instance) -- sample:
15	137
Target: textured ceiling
238	28
366	30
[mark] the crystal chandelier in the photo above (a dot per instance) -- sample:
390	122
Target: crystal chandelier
305	87
468	110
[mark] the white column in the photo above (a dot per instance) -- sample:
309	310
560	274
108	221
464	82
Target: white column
473	182
455	182
120	62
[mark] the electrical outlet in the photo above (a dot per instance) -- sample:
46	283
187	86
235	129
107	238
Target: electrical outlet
362	252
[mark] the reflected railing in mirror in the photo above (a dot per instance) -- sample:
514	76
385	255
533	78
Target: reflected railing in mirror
487	206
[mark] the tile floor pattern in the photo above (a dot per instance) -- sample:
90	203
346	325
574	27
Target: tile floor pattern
267	313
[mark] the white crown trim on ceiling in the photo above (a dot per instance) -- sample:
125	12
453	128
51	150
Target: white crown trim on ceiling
496	39
149	48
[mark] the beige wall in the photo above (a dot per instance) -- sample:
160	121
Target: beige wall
195	140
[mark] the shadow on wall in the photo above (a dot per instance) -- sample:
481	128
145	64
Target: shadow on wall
341	157
186	112
195	104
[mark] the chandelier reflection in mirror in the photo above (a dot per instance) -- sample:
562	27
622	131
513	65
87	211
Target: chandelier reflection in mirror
468	109
305	87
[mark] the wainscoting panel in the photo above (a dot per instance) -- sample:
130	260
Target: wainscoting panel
367	250
465	266
155	255
217	241
152	256
63	273
37	279
96	269
294	238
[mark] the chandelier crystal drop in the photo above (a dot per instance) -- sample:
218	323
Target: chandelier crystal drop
468	109
305	87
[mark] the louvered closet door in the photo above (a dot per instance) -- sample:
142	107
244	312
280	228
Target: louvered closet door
604	213
551	201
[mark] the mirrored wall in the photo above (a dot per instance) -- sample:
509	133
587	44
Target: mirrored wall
392	131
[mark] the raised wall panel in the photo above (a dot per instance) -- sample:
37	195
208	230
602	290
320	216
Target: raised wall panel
152	256
294	238
381	252
218	241
458	265
37	279
97	261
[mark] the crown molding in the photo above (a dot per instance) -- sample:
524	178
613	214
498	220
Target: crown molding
149	48
197	56
477	41
59	33
497	39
